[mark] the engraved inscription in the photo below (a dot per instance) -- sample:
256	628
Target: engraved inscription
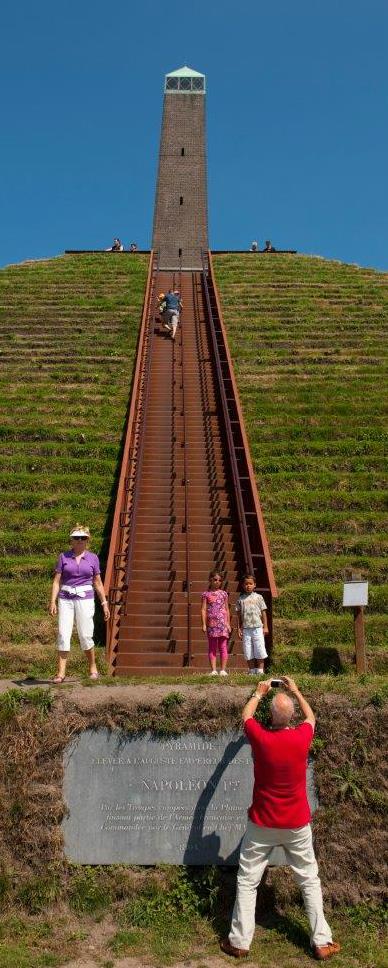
143	800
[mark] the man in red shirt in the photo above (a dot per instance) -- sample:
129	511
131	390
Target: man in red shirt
279	816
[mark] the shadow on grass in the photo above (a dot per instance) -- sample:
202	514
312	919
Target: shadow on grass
326	659
270	918
33	681
223	890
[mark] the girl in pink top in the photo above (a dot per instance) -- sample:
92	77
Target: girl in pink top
216	622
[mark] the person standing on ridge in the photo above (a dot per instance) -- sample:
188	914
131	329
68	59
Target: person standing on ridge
278	817
117	246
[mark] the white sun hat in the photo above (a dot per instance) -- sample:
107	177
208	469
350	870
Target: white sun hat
80	532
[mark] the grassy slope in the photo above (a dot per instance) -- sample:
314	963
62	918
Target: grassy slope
68	331
308	339
67	335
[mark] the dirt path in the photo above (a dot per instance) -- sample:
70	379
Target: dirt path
135	963
149	694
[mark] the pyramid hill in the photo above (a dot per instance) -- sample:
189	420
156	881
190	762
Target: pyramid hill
68	333
307	340
309	343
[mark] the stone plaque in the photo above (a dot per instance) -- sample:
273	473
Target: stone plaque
138	799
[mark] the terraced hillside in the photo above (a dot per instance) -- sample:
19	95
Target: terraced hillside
309	343
308	339
68	330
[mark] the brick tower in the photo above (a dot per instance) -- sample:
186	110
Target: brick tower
180	217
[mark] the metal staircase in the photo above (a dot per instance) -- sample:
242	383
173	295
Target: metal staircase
187	499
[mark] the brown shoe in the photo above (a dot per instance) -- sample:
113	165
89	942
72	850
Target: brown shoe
324	951
229	949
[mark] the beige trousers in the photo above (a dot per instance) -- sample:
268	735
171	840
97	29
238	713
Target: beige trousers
171	320
254	856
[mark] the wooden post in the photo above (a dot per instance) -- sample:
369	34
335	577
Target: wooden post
354	575
359	638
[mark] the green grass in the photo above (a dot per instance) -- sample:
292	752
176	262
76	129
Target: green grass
308	339
68	332
29	942
168	936
308	342
88	893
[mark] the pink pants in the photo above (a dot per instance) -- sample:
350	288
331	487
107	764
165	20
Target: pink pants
220	642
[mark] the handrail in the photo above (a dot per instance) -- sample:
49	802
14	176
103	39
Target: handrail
252	480
116	533
187	492
248	561
204	390
139	462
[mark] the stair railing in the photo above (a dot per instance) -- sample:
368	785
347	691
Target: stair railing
117	558
142	434
187	494
252	508
248	561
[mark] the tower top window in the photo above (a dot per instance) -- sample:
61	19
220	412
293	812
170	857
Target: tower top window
185	80
172	84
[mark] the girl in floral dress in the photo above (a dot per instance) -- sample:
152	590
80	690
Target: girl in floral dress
216	622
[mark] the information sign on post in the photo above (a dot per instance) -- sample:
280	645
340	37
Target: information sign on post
355	596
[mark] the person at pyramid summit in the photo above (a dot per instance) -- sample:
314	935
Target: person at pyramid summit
77	577
278	817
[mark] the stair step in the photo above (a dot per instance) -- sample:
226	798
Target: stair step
160	545
133	644
159	665
136	596
148	660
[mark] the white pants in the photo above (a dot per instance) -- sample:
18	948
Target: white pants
82	609
253	644
255	850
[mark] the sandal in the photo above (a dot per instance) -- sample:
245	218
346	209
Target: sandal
59	679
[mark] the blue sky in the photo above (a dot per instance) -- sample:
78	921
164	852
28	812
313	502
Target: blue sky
296	114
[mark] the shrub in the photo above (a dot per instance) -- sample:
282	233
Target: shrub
88	892
173	700
38	893
188	895
10	703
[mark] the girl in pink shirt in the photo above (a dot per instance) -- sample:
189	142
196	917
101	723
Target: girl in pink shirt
216	622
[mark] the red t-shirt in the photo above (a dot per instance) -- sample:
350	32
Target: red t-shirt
280	759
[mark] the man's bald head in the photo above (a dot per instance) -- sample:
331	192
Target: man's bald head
282	709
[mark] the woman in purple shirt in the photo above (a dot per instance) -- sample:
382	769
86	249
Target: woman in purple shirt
77	577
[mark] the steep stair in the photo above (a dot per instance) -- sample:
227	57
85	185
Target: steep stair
178	514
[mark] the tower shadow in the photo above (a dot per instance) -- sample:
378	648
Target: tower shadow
201	848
